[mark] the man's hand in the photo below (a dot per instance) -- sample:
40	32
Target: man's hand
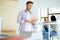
28	21
32	20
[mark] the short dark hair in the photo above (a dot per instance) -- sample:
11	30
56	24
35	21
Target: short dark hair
29	2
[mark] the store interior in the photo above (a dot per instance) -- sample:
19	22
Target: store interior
8	20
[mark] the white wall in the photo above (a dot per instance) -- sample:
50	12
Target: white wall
49	3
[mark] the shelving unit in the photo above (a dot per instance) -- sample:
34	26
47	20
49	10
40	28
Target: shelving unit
49	24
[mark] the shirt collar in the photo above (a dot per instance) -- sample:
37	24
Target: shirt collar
29	11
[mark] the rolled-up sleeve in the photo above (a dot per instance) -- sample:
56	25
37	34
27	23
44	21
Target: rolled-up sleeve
20	18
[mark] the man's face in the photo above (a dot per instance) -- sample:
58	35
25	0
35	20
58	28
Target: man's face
29	6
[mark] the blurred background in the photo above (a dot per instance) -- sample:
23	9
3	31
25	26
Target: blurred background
8	16
9	10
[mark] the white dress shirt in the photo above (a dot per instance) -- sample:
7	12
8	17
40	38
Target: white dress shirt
29	26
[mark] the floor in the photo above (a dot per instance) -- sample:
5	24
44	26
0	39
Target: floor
34	36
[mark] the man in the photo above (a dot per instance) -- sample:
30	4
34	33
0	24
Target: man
26	20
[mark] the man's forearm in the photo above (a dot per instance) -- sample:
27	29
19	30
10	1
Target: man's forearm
27	21
31	21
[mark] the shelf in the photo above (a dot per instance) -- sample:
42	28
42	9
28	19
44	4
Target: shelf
54	14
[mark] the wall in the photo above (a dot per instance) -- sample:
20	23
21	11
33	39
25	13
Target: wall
8	12
49	3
